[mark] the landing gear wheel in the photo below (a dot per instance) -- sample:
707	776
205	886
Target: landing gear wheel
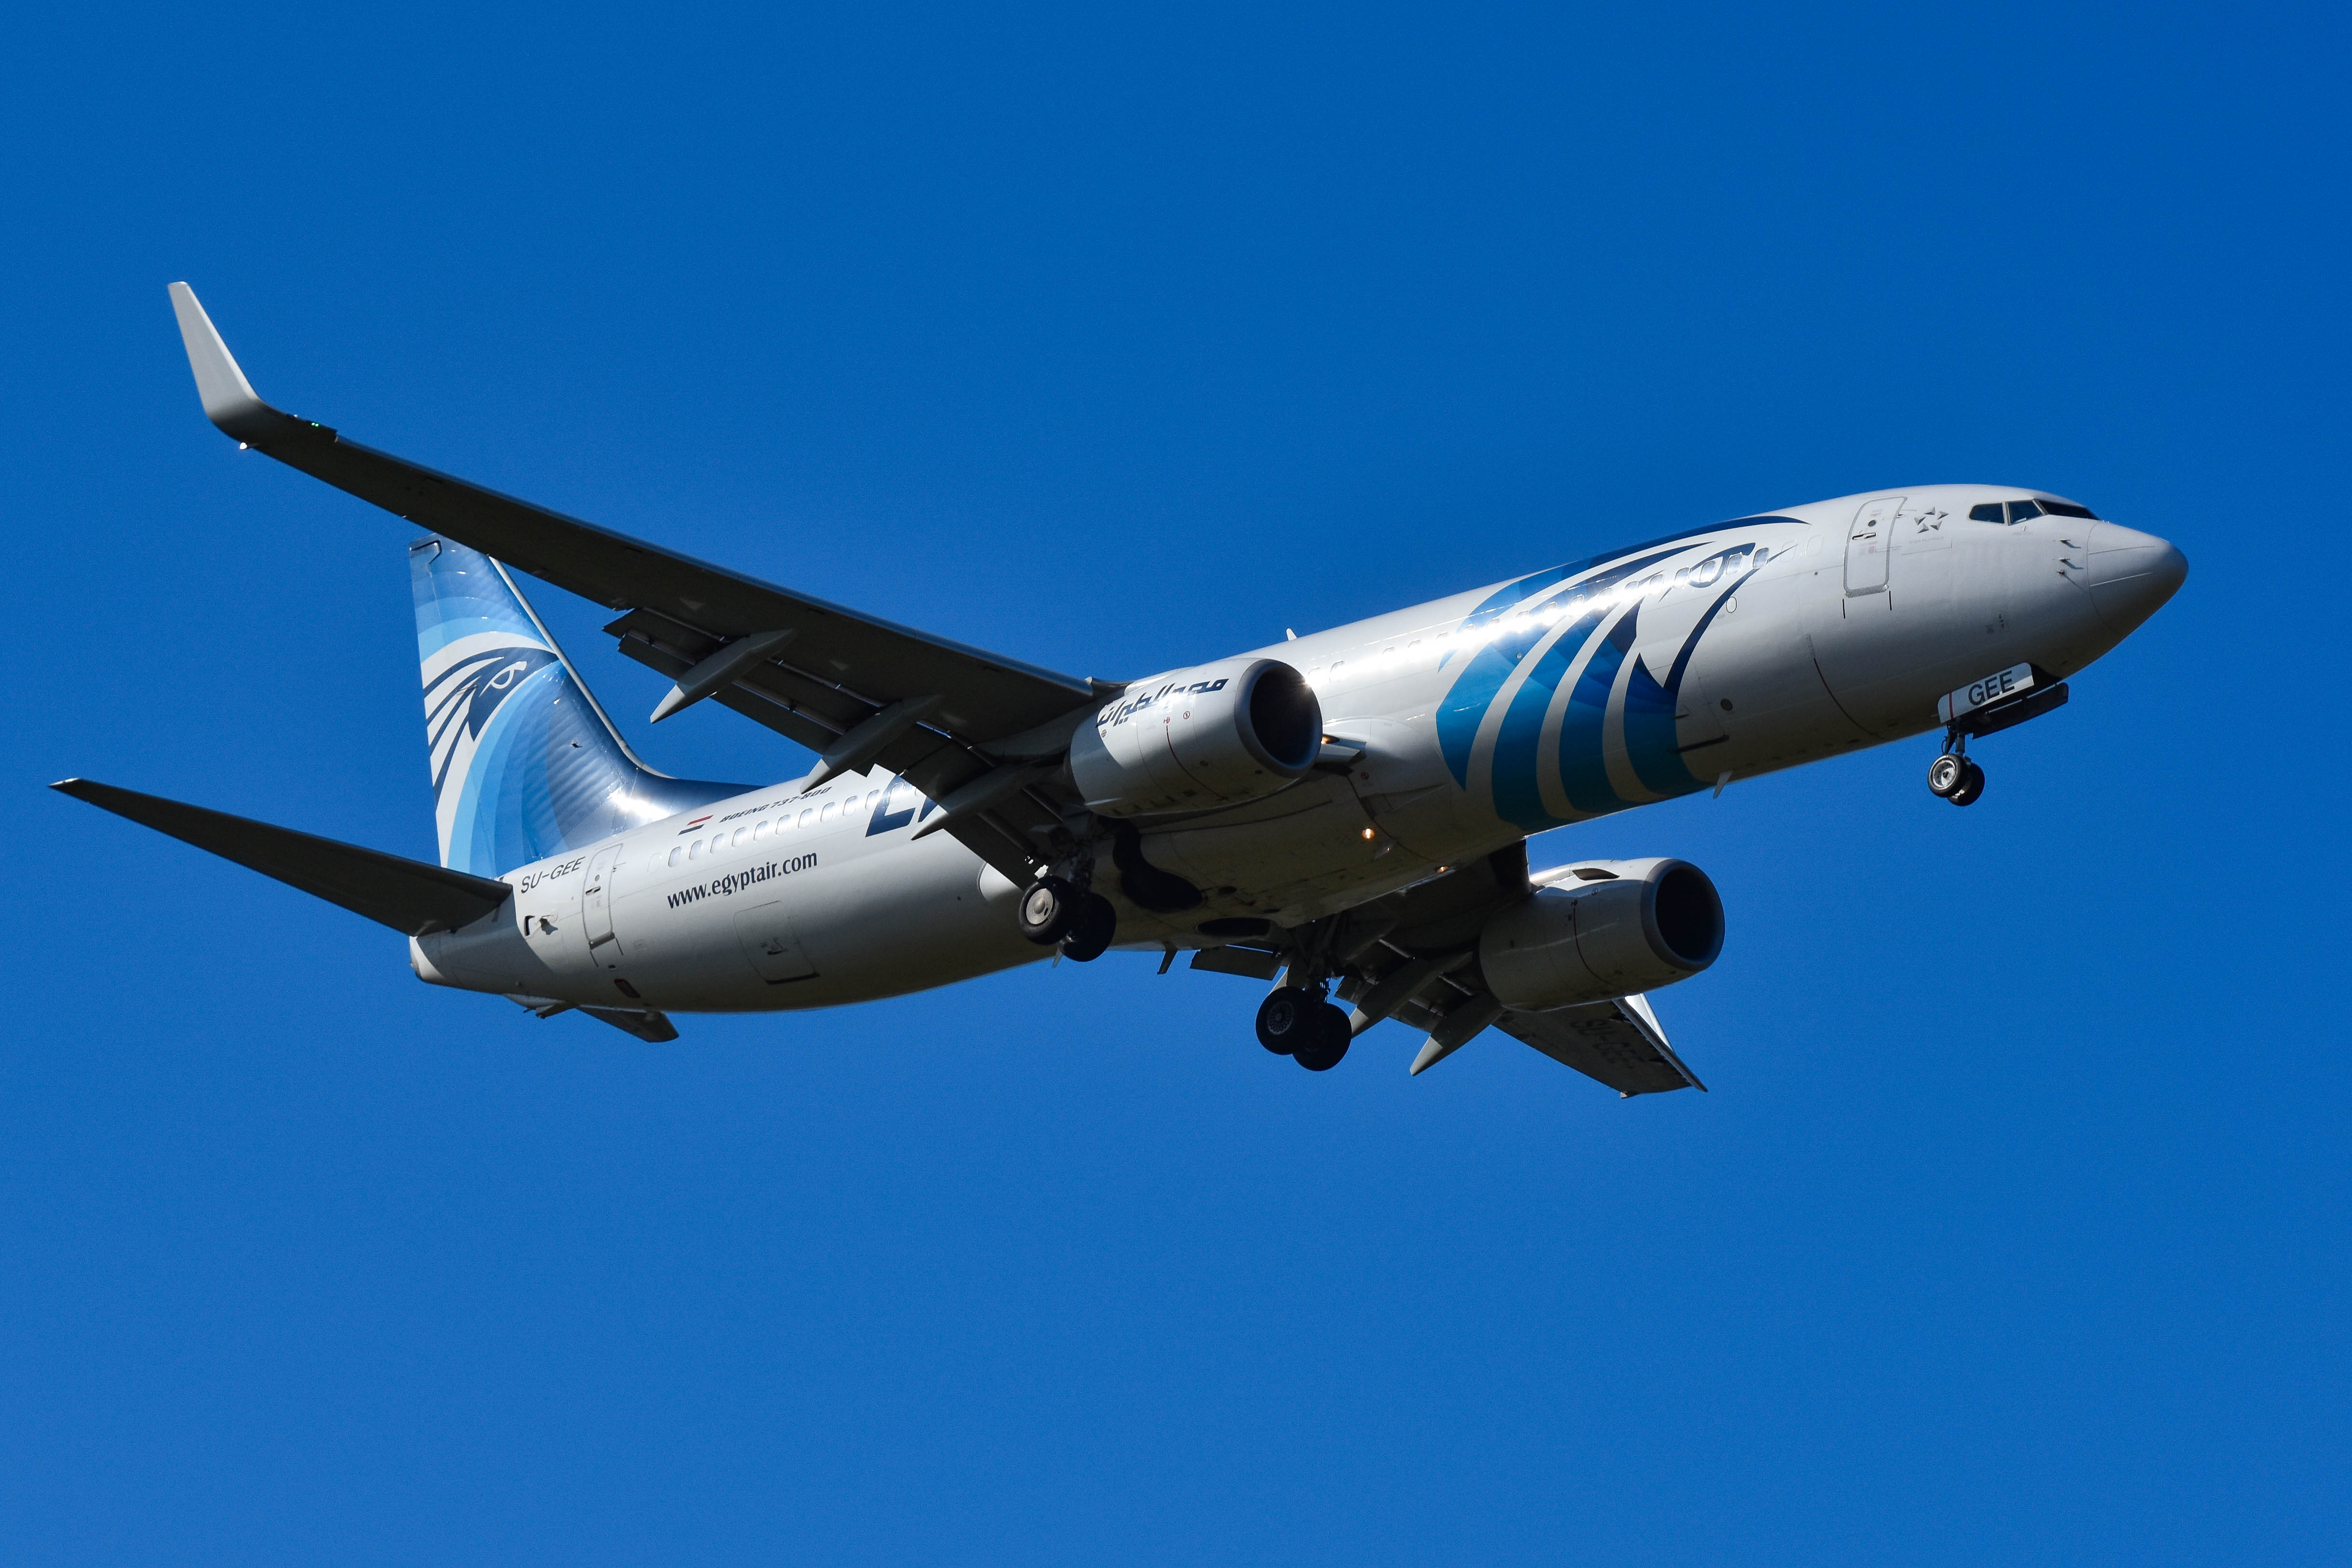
1048	909
1946	774
1286	1018
1331	1041
1091	929
1970	787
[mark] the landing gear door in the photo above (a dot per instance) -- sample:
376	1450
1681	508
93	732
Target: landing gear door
596	911
771	944
1866	545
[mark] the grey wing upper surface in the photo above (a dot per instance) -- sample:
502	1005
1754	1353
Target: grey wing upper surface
845	684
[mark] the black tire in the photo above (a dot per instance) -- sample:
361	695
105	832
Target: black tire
1331	1042
1047	909
1946	774
1091	929
1971	787
1286	1018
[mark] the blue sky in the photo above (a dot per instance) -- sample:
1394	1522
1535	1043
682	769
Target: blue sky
2014	1227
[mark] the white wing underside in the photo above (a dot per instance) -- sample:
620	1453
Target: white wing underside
1618	1043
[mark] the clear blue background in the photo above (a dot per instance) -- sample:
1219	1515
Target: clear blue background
2014	1227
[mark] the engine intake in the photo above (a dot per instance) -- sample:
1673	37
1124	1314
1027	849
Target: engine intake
1605	928
1192	739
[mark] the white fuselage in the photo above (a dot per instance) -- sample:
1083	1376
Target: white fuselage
1651	671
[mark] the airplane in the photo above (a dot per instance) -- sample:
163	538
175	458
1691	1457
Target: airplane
1343	814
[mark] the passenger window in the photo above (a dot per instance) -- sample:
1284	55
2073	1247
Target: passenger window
2019	510
1989	512
758	833
826	814
808	816
1707	572
742	836
871	796
695	853
675	855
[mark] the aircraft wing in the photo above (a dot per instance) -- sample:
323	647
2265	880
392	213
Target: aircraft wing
836	670
1619	1043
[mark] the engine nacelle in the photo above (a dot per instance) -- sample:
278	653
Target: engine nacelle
1603	929
1192	739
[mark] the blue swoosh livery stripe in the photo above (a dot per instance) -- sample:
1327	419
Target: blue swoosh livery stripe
1650	704
1583	772
1466	705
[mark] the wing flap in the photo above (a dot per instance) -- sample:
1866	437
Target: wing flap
409	896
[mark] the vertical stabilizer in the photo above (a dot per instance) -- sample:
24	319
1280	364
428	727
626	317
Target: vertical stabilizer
525	765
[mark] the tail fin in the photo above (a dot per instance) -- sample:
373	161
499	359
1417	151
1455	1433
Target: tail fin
525	765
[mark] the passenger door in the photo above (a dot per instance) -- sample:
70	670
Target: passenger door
1866	545
596	911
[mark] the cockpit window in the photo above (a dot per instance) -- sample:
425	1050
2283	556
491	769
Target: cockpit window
2019	510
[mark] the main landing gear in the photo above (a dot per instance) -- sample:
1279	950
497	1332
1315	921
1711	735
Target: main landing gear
1083	922
1295	1022
1954	777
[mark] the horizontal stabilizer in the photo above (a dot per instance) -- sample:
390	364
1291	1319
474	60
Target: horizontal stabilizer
409	896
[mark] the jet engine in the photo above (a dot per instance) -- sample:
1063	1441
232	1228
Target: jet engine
1603	928
1194	739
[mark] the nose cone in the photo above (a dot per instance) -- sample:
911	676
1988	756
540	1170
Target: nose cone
2132	575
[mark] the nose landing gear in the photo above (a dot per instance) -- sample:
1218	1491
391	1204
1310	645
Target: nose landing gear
1998	702
1954	777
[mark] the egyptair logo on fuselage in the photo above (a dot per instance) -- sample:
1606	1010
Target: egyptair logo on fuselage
1522	644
